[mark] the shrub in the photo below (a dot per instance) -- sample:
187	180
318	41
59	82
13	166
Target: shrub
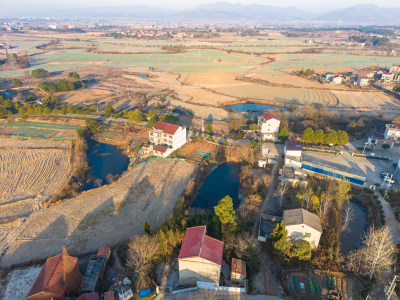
40	73
16	82
385	146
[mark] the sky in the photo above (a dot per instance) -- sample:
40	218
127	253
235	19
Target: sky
312	5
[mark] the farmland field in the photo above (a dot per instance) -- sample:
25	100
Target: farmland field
203	71
106	215
30	172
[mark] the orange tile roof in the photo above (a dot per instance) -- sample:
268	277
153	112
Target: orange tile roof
238	266
166	127
51	276
104	252
160	148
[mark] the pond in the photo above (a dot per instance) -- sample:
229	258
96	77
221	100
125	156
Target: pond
221	181
104	159
243	107
351	240
141	75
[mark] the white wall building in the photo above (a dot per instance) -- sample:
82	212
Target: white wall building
392	132
268	125
303	225
363	81
200	257
166	138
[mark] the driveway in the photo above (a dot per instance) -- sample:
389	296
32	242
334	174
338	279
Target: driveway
390	219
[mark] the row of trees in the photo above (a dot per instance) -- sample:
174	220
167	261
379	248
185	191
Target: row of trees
318	136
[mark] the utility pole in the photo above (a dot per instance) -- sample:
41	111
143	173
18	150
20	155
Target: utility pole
390	290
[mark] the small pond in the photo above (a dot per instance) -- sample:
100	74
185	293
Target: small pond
351	240
141	75
104	159
243	107
221	181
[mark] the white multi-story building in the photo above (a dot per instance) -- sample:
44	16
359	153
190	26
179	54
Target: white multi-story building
268	125
392	132
303	225
363	81
165	138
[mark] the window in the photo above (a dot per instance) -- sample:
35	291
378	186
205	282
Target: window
307	234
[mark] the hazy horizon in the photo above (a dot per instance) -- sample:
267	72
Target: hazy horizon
26	6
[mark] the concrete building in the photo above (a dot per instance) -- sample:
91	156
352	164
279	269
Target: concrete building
293	151
200	257
303	225
392	132
165	138
59	275
337	80
395	69
268	126
238	270
363	81
396	174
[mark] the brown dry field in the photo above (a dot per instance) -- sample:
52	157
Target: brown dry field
190	149
31	171
104	216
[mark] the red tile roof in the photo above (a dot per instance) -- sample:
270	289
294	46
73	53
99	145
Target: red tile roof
51	276
238	266
197	244
88	296
166	127
160	148
146	145
269	117
109	295
104	252
397	125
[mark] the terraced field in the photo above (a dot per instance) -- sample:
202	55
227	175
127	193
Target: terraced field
30	172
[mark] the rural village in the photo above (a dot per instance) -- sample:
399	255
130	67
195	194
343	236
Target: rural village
198	162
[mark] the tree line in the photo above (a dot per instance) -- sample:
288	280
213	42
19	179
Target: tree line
332	137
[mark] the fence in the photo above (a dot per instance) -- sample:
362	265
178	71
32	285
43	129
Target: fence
216	287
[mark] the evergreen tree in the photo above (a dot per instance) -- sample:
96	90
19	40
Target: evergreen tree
308	136
331	137
283	134
342	137
226	214
301	250
280	240
319	136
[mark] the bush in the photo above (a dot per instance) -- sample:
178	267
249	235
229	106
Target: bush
40	73
16	82
385	146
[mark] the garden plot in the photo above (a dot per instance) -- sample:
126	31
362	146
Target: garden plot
104	216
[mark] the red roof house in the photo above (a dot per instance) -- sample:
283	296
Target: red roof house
58	275
166	127
200	257
238	270
269	116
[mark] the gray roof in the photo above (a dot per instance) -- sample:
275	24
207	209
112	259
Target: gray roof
301	216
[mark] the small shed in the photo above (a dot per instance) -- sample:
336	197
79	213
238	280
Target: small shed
238	270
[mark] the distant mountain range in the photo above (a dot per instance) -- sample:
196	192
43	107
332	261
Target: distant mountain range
368	14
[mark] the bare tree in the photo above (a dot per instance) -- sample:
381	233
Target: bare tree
325	204
109	178
242	243
142	251
98	182
347	217
280	193
377	253
306	197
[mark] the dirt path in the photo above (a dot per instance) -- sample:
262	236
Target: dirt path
390	219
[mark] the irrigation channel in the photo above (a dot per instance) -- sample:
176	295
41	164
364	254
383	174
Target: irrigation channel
104	159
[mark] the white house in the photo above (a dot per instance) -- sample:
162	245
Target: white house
303	225
362	81
293	151
395	69
268	125
200	257
387	77
337	80
392	132
165	138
